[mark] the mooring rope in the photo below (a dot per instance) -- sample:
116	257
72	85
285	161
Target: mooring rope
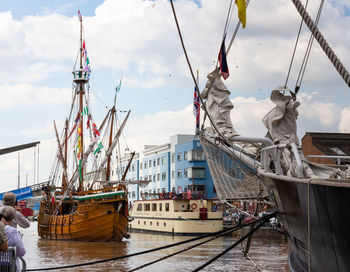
323	43
263	220
231	247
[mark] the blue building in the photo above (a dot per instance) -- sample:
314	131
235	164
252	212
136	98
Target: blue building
177	165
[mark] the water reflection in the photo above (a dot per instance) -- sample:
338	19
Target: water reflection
268	250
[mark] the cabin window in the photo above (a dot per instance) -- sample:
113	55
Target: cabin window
139	207
154	207
147	207
166	207
160	207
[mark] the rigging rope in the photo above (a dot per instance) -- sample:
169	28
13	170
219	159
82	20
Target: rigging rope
323	43
307	53
295	48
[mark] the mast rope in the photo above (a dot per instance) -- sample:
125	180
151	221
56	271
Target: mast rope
322	42
262	221
307	53
295	47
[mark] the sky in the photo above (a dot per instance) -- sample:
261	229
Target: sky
138	40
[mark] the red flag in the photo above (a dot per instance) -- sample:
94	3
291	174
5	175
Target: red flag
223	61
79	15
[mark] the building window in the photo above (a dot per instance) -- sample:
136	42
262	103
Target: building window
154	207
158	176
163	190
166	207
150	223
146	207
154	162
172	157
163	160
160	207
164	224
196	155
138	222
133	167
150	177
185	156
139	207
158	161
163	176
154	178
173	174
145	165
185	172
179	157
133	194
157	224
198	173
150	191
149	163
179	174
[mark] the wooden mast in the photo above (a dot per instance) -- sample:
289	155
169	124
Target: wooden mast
65	158
108	170
81	106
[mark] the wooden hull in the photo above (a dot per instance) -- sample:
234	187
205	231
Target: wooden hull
91	221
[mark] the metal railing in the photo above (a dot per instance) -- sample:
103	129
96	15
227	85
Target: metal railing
339	158
8	261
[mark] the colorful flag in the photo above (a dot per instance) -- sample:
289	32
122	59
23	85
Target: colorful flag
79	15
223	61
95	130
196	106
118	87
98	149
241	11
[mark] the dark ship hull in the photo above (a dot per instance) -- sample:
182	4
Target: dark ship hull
318	205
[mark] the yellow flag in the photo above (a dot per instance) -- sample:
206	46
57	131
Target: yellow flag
241	11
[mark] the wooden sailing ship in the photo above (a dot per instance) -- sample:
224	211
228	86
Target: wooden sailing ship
85	206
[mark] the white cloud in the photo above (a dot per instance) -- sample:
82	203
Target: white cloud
344	124
29	95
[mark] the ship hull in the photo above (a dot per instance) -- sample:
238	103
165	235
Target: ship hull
320	205
90	221
182	217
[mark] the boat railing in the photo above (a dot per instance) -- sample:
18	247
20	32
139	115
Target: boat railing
271	158
339	158
8	260
195	195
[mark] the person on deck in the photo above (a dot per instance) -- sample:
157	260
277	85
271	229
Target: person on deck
13	236
10	200
3	238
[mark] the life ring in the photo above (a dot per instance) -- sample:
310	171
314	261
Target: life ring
193	206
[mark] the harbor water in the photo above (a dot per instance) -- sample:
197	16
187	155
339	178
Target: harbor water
269	252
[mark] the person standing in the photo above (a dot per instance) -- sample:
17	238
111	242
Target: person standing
3	238
13	236
10	200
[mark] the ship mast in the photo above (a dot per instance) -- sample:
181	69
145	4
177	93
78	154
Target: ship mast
108	170
80	78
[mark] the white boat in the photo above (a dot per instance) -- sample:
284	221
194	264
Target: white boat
176	216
